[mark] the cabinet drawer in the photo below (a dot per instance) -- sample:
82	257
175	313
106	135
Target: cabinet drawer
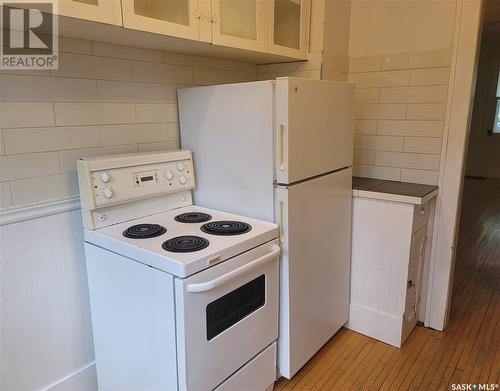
420	216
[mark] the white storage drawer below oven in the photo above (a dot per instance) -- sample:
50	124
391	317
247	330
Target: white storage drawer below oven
225	316
258	375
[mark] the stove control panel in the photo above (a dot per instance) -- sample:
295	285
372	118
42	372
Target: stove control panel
124	178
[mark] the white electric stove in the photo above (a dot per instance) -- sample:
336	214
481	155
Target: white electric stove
182	297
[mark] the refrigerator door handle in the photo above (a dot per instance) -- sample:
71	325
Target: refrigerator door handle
281	146
282	222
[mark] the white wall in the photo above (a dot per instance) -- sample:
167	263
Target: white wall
46	332
400	57
400	26
484	150
103	99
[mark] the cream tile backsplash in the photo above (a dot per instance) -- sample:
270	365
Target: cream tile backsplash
103	99
400	110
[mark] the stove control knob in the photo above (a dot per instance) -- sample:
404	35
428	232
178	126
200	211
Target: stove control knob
105	177
169	175
182	180
108	193
180	166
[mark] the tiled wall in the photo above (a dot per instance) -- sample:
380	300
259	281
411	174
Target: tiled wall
400	110
103	99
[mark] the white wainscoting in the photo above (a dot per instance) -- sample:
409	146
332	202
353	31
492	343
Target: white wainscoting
46	332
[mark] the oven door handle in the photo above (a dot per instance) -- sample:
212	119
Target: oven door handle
212	284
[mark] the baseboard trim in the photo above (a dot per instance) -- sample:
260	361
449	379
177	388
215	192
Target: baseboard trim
384	327
35	211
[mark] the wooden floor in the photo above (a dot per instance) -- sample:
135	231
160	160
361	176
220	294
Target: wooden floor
468	352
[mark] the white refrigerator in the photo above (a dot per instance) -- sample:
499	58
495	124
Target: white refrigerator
281	151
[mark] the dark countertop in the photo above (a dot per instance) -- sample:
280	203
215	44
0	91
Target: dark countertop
392	187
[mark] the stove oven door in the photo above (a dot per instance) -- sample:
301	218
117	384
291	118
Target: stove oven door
225	316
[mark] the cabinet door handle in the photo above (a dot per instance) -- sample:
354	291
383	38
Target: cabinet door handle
411	284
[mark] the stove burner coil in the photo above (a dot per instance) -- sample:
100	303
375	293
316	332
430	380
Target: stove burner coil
226	228
144	231
185	244
192	217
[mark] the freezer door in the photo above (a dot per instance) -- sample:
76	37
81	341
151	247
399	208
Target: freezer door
315	222
229	128
313	127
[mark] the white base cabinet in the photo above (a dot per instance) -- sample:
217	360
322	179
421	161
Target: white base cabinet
387	271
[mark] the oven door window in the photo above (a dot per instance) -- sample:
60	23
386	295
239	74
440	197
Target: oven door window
234	306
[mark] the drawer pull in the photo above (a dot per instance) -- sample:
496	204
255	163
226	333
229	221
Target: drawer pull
422	211
411	284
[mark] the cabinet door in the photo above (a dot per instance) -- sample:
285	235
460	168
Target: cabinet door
240	24
289	27
178	18
414	280
103	11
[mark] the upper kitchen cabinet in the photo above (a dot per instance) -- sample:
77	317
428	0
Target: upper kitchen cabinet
177	18
288	31
103	11
257	31
240	24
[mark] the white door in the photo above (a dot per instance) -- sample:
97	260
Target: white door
314	127
240	24
179	18
315	221
226	315
288	31
103	11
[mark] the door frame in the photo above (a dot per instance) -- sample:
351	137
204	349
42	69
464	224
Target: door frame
457	123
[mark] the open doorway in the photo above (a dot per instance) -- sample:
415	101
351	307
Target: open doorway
475	303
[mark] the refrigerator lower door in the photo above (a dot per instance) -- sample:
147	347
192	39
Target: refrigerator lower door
315	234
